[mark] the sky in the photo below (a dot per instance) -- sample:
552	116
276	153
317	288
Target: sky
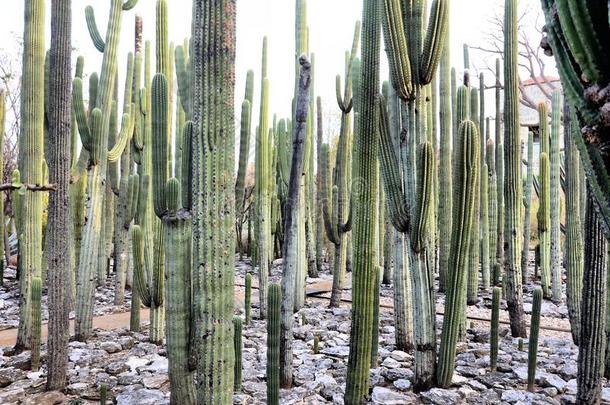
331	25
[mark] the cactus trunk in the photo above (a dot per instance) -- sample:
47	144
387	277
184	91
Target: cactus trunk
533	343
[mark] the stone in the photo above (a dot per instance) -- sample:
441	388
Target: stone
45	398
77	388
155	381
341	352
383	395
12	395
116	367
389	362
111	347
22	361
134	362
399	355
402	384
440	396
521	373
552	380
513	396
141	396
10	375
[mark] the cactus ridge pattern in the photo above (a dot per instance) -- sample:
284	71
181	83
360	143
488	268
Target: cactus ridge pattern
273	345
533	342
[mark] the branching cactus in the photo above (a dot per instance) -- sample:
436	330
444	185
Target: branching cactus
336	193
414	52
94	131
533	343
467	157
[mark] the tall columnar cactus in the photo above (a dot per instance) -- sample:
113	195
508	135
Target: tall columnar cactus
576	36
365	215
212	191
248	298
475	246
527	204
574	223
555	203
273	345
237	344
414	51
244	152
513	183
533	343
500	169
2	219
495	322
543	224
30	167
467	164
376	309
445	206
336	193
485	269
94	134
493	205
36	292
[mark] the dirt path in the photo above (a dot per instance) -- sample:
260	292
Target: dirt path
319	290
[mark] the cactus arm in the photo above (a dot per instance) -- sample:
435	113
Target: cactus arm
126	129
79	110
158	276
396	41
331	231
129	4
435	40
183	79
98	42
160	142
139	277
398	210
423	212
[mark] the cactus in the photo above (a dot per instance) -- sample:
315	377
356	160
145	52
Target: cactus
543	224
237	344
103	393
484	244
414	57
475	246
336	194
95	135
495	321
244	151
574	234
248	298
30	167
513	181
555	209
501	208
376	309
520	344
576	37
36	297
445	207
2	218
533	342
467	157
527	196
273	345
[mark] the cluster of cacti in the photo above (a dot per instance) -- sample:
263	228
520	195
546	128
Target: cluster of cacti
533	342
336	192
273	345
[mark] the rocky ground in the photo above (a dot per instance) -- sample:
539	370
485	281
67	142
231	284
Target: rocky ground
135	370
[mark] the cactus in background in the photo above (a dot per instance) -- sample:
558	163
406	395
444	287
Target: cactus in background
445	207
555	203
336	192
527	204
501	208
248	298
2	218
414	56
493	206
475	245
36	297
237	344
533	343
576	36
103	394
273	345
244	152
495	321
30	157
484	244
513	183
574	235
543	224
316	344
467	161
94	133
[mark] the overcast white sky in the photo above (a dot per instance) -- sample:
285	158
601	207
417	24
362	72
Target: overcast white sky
331	30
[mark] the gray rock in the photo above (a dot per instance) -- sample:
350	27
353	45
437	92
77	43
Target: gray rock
45	398
341	352
402	384
11	395
439	396
155	381
552	380
513	396
141	396
111	347
399	355
389	362
10	375
383	395
116	367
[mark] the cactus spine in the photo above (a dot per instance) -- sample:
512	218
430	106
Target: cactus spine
376	309
527	197
237	344
467	157
533	343
574	235
555	208
513	181
273	345
495	321
30	167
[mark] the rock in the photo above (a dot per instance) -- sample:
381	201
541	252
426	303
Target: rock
521	373
45	398
134	362
22	361
439	396
77	388
386	396
155	381
111	347
389	362
394	374
129	378
127	342
399	355
159	365
10	375
552	380
513	396
458	380
141	396
10	396
606	395
116	367
341	352
402	384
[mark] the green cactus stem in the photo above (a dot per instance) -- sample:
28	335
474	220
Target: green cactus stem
527	196
36	292
543	224
273	345
555	203
467	157
248	298
244	151
533	342
495	321
484	244
237	344
103	394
